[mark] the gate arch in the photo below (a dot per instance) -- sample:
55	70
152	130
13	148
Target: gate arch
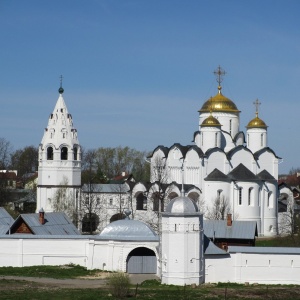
141	260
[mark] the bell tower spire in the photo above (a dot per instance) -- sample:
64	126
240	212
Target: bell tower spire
59	160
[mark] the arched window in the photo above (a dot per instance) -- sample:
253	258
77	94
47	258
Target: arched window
75	153
49	153
64	153
141	202
270	198
261	140
250	196
216	139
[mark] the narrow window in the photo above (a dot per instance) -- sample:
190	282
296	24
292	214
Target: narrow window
230	126
248	140
64	153
240	196
270	204
261	140
110	201
64	135
202	139
49	153
216	139
75	153
249	196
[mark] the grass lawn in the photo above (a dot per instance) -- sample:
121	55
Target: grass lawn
58	272
284	241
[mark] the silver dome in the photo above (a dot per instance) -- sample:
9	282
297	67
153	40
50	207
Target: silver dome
182	205
128	230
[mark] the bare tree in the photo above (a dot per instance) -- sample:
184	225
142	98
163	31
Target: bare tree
5	153
64	200
219	210
91	207
159	191
121	191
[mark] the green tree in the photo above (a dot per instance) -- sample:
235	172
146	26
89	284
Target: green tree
25	160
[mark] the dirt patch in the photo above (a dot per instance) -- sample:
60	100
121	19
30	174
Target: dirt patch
78	283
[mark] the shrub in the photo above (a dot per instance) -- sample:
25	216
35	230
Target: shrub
119	284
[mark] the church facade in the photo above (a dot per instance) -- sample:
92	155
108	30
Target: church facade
235	171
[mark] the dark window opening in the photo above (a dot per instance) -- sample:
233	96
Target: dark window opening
49	153
141	202
64	153
75	153
90	223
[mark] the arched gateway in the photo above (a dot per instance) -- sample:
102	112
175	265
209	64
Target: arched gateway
141	261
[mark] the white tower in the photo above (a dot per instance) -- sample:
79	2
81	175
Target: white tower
182	243
59	161
210	133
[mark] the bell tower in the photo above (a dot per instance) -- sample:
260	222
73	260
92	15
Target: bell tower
59	172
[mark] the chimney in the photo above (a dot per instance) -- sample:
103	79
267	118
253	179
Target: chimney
42	216
229	219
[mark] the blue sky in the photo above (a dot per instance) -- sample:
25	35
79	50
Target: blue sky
136	72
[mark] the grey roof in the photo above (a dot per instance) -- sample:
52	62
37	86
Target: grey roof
106	188
216	175
128	230
181	205
211	249
5	221
56	223
241	173
265	175
29	198
266	250
238	229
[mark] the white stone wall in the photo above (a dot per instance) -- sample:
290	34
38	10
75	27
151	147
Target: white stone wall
264	268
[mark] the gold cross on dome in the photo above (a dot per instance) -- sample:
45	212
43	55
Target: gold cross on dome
219	72
257	104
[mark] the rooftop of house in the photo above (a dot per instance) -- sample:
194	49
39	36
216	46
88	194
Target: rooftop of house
54	223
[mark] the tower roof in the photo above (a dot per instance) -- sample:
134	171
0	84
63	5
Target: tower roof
182	205
211	122
219	103
256	122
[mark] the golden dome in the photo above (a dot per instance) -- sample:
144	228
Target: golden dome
211	122
219	103
256	123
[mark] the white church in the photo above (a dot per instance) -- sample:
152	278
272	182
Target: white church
226	164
